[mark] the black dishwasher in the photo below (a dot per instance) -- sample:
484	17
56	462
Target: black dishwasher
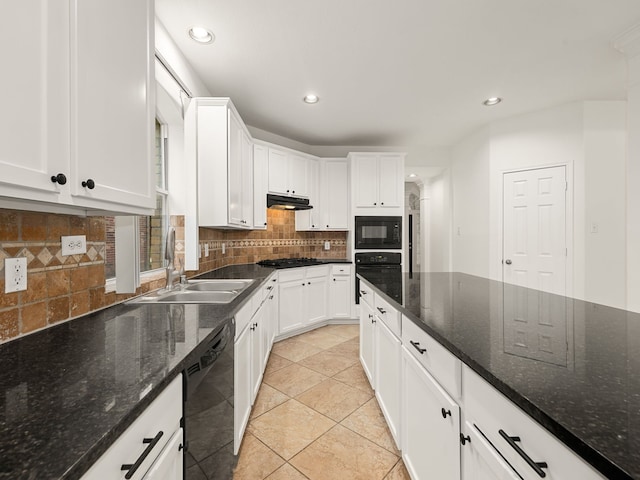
208	409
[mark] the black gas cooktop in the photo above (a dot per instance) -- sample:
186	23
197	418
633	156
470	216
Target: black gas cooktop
290	262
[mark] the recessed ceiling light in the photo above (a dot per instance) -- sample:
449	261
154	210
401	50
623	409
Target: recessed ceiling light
492	101
412	175
201	35
311	98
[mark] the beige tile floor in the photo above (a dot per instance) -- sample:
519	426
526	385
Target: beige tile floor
316	417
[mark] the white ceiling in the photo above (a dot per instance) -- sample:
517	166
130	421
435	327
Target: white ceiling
401	72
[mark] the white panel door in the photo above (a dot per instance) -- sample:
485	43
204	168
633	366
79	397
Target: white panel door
367	341
278	171
247	180
534	229
337	195
235	170
169	464
366	181
390	180
260	186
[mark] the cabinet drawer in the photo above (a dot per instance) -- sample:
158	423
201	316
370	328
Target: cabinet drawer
366	293
163	415
316	272
389	315
291	274
494	413
441	363
340	270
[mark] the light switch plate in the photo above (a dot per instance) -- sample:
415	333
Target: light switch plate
74	244
15	274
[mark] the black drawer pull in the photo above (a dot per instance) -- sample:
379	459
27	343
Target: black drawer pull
269	287
445	412
416	345
537	466
382	310
131	469
362	292
464	440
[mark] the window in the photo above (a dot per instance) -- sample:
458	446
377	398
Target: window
152	229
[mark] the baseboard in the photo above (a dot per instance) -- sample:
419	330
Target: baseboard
323	323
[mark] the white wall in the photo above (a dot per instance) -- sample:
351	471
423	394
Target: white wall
470	185
587	137
436	211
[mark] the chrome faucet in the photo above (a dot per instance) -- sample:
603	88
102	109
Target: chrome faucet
169	254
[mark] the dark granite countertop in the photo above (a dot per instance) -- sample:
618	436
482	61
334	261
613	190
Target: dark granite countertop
67	392
583	384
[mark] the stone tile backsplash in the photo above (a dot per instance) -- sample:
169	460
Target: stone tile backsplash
62	287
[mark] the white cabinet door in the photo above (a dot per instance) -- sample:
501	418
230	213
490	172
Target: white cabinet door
316	296
112	102
312	219
260	186
247	180
388	359
480	459
169	465
242	386
367	341
297	173
278	172
340	296
34	93
235	170
366	181
292	307
257	326
390	180
430	425
336	196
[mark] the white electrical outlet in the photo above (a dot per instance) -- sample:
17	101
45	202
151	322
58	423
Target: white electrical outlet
206	249
74	245
327	245
224	248
15	274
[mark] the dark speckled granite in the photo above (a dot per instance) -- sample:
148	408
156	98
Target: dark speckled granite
66	393
583	385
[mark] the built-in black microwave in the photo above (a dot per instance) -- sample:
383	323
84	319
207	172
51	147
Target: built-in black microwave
378	233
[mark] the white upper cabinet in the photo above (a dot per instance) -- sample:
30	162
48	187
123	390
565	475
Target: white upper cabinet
378	183
329	195
78	105
216	135
260	186
335	198
287	173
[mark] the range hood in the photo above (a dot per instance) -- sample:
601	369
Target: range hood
280	202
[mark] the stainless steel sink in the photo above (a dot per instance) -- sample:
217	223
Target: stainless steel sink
217	285
198	291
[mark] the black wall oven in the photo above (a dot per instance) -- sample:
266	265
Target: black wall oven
383	269
378	233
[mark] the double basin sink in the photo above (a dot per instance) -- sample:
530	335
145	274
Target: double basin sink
198	291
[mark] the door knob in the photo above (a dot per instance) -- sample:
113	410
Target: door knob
507	261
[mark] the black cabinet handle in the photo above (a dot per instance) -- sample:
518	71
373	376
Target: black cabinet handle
381	310
537	466
308	283
327	226
271	297
334	279
269	287
445	412
287	191
464	440
370	316
60	179
374	203
90	184
131	468
265	224
362	292
416	345
381	203
313	226
293	191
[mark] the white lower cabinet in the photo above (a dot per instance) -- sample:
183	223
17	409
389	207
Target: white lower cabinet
430	425
388	368
367	341
241	385
303	297
340	293
151	446
481	461
531	450
169	465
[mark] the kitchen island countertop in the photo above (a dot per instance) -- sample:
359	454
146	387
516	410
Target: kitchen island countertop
584	386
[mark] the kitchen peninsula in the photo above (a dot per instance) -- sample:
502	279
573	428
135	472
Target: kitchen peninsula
571	365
